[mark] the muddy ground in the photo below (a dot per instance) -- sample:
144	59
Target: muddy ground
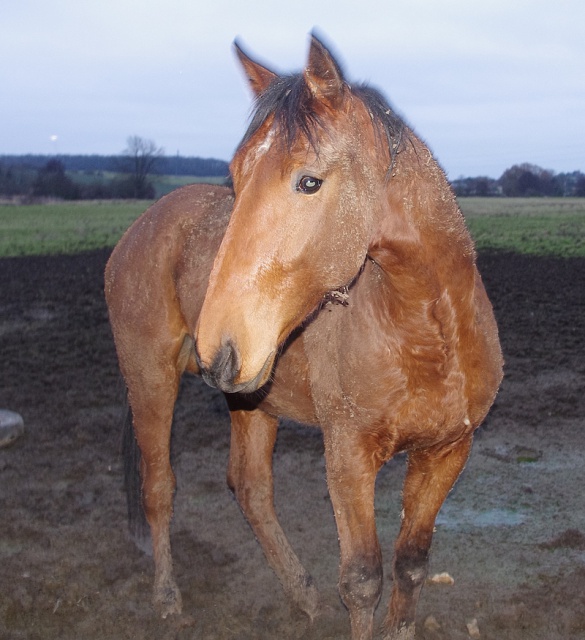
511	535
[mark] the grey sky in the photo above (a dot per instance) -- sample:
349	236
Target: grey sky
487	84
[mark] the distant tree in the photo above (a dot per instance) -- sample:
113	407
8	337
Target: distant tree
510	179
140	158
580	187
571	184
481	186
51	181
527	180
182	166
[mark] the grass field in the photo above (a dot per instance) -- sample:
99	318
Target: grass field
64	227
541	226
538	226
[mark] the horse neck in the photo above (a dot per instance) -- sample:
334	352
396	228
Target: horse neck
422	244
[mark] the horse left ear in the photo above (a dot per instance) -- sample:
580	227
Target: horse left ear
323	75
259	77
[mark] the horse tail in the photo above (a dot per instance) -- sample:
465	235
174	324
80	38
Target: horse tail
137	523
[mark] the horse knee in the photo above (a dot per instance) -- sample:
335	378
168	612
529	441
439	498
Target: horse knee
360	584
254	499
410	569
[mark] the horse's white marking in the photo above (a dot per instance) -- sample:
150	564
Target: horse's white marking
256	153
265	146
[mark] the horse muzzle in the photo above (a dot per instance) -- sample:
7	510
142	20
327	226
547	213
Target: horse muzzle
224	371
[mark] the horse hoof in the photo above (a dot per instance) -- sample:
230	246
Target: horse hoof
168	601
11	427
404	632
310	603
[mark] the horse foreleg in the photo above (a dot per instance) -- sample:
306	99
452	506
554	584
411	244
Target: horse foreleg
152	403
249	476
351	477
430	476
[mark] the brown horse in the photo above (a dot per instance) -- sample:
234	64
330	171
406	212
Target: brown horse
336	201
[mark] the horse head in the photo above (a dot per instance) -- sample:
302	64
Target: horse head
308	177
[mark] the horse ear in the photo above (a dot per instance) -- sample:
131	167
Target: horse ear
323	75
258	76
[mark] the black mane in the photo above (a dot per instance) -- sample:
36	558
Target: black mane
289	100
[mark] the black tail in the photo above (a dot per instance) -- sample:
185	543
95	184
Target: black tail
137	523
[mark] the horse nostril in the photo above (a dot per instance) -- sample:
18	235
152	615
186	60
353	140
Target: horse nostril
227	362
224	368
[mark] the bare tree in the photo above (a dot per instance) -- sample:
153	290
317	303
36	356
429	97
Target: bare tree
141	157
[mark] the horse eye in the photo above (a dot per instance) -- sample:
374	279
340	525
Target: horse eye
309	185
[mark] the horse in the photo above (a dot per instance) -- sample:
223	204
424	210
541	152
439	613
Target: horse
336	286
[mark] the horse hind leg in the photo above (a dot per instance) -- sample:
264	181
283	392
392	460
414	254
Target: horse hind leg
253	435
430	476
152	398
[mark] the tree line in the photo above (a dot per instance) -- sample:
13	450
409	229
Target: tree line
166	165
526	181
45	176
75	177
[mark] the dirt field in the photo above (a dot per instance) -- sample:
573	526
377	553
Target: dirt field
512	533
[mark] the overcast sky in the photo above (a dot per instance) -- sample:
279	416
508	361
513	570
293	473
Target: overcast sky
487	84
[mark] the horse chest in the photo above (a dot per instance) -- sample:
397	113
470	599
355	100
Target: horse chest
289	393
365	375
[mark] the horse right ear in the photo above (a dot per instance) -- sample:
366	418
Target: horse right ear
259	77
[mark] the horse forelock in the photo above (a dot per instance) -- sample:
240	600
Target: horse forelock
290	103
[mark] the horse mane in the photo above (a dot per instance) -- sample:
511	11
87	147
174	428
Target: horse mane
289	100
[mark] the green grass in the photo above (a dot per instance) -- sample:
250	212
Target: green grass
535	226
64	227
539	226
